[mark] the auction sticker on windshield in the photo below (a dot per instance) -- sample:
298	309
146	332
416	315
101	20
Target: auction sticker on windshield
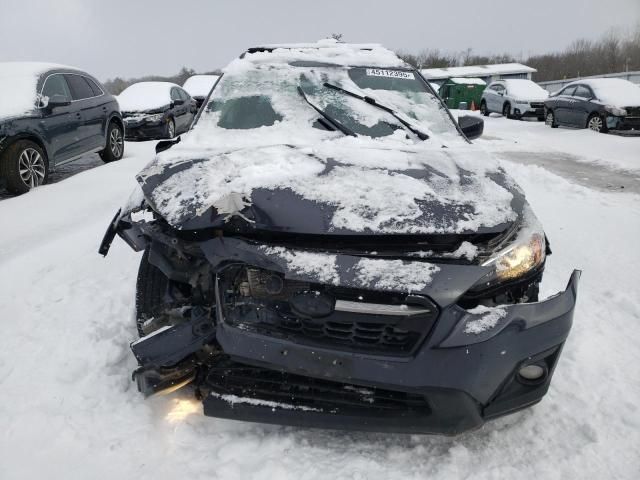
376	72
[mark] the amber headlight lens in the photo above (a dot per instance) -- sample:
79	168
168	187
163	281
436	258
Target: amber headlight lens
518	259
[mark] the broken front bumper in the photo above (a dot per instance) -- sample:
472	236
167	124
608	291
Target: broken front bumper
463	377
462	371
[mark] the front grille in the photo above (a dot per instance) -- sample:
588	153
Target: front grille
380	334
231	378
340	318
537	104
633	111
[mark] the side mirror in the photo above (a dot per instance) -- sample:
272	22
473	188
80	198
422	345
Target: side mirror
471	126
57	101
178	101
163	145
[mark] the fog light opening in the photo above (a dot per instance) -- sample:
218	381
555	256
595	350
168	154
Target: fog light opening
533	374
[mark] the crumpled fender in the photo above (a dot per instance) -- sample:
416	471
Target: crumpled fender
521	316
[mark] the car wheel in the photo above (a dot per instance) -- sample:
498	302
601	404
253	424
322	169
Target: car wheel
24	166
596	123
483	109
506	110
115	144
550	119
170	129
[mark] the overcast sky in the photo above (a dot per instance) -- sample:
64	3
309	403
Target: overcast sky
130	38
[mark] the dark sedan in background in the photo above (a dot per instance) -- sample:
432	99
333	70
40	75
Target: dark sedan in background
50	115
156	110
600	104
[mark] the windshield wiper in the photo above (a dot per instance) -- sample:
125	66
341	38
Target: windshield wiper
335	123
372	101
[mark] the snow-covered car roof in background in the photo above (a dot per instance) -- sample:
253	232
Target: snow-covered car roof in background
525	89
200	85
326	51
143	96
467	81
18	83
613	91
476	70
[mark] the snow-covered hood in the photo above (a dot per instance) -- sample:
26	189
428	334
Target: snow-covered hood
335	188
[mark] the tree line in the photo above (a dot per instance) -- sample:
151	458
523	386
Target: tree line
612	53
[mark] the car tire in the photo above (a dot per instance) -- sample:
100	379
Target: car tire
483	109
506	110
24	165
151	286
596	123
115	144
159	300
170	128
550	119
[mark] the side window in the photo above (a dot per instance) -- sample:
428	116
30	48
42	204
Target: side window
56	85
583	92
79	87
175	94
97	91
568	91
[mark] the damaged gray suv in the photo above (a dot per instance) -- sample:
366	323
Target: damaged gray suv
326	248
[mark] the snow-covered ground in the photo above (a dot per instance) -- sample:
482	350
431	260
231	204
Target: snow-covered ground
70	411
581	145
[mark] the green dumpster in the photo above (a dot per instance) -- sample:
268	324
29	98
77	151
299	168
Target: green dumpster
456	90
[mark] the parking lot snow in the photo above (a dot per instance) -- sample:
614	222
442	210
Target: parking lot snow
70	411
581	145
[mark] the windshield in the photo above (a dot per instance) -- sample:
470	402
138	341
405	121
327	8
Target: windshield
266	99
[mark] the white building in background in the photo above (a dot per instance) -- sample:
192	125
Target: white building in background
488	73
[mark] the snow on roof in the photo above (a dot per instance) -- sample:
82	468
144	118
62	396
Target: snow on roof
18	83
467	81
143	96
200	85
614	91
476	70
525	89
324	51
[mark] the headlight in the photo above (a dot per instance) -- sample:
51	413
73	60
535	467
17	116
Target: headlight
519	259
617	111
523	102
155	118
523	254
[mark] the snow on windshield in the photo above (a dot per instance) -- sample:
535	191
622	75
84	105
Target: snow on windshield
526	90
258	132
145	96
615	91
18	83
200	85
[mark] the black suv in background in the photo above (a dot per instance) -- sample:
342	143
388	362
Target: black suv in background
50	115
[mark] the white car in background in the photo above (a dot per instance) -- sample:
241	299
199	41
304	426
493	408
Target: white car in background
516	98
199	86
